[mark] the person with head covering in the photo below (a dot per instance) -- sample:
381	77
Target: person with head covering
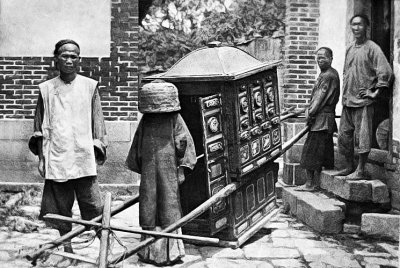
162	147
318	150
366	74
69	139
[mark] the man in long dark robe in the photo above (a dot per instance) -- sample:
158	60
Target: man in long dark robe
318	149
161	148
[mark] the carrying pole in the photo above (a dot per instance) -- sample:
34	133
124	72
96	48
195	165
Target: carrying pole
77	231
227	190
285	116
114	227
105	232
289	143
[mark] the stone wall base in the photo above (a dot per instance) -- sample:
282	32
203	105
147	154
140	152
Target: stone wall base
315	209
381	225
293	174
18	164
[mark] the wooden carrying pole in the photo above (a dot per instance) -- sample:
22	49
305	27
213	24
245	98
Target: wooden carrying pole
74	257
289	143
105	232
290	115
288	110
77	231
133	230
227	190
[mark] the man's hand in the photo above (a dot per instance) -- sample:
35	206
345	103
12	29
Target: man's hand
368	93
310	121
41	168
309	118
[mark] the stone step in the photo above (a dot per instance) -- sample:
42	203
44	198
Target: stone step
373	191
315	209
381	225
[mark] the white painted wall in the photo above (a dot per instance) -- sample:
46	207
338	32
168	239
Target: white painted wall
332	34
396	70
32	27
396	96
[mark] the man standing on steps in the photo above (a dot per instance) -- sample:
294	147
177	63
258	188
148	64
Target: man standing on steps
318	149
69	139
366	73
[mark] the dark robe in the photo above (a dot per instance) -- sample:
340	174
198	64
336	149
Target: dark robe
161	145
318	150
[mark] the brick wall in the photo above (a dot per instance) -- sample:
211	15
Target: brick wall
300	73
117	74
301	41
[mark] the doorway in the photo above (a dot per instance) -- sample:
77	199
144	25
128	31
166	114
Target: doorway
381	24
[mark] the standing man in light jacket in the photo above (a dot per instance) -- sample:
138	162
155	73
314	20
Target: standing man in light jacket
69	139
366	73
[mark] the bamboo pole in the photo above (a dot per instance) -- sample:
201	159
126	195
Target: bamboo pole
105	232
227	190
294	114
133	230
74	256
77	231
200	156
286	111
289	143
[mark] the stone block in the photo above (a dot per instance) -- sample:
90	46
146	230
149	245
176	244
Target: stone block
18	164
16	150
293	174
117	152
120	130
392	180
380	192
395	200
293	155
288	131
19	171
390	166
16	129
354	210
287	177
376	172
380	156
351	228
340	160
297	128
381	225
360	190
278	190
289	201
349	190
320	212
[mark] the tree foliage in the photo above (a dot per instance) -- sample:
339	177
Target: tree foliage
173	28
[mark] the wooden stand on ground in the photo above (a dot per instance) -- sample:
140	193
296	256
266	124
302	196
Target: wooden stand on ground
77	231
105	232
106	227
